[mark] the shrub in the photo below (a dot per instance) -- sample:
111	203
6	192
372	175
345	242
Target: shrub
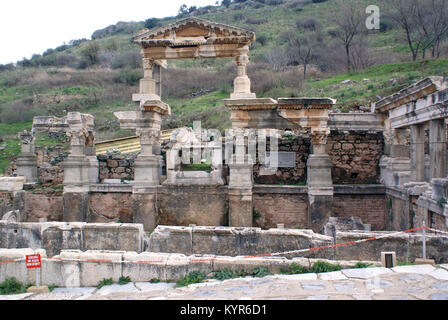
104	282
90	52
130	59
192	277
129	76
124	280
321	266
224	275
256	21
295	268
12	286
260	272
362	265
152	23
308	24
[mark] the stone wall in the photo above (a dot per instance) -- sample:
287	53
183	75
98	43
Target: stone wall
301	145
57	236
6	202
185	205
72	268
370	208
355	156
254	241
407	247
110	207
40	205
274	205
116	166
232	241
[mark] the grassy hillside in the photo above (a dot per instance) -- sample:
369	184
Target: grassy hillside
98	76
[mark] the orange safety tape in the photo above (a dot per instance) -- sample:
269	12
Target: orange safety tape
334	245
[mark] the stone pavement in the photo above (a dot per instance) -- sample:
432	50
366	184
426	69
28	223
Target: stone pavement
415	282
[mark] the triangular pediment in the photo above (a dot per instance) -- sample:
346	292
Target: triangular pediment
193	31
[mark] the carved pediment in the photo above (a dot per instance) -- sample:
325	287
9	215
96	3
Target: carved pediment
192	32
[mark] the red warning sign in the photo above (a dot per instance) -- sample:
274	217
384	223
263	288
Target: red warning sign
33	261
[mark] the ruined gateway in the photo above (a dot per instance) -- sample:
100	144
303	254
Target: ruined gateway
341	177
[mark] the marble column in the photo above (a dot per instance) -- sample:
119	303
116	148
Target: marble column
437	148
27	160
418	153
319	182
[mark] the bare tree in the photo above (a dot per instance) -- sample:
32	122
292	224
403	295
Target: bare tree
425	23
303	48
349	21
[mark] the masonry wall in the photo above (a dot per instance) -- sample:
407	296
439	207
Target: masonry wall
116	166
270	209
370	208
301	145
185	205
355	156
42	206
110	207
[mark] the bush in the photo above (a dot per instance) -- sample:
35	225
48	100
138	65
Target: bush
124	280
129	77
104	282
224	275
260	272
192	277
256	21
295	268
12	286
308	24
321	266
130	59
152	23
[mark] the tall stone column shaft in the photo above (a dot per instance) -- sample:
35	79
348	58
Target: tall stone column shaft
418	153
319	182
437	148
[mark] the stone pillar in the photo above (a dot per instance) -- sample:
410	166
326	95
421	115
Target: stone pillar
396	169
418	153
241	181
437	148
78	174
319	182
27	160
147	163
242	82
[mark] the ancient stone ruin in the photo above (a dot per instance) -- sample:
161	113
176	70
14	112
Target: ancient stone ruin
286	172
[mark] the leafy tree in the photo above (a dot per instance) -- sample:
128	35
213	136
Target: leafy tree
152	23
90	53
226	3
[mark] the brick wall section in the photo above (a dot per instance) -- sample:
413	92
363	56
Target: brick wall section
116	166
355	157
437	221
370	208
301	145
290	209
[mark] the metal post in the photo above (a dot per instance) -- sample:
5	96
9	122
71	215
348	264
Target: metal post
424	239
37	277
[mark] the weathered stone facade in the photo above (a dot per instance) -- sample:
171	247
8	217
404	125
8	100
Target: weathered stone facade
355	156
116	166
